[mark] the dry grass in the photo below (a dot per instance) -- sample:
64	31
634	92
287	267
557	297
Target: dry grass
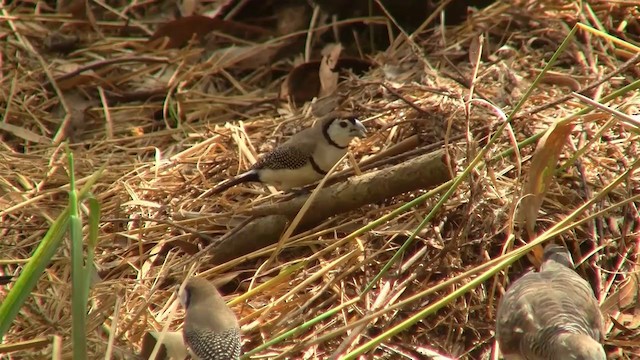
156	214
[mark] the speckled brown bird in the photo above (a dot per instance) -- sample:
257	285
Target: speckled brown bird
211	329
306	157
551	314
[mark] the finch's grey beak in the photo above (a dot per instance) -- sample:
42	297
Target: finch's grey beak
361	131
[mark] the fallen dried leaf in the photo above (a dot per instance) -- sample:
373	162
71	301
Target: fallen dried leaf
77	106
72	82
82	79
61	43
328	72
303	82
244	57
475	49
625	297
561	80
543	165
182	30
23	133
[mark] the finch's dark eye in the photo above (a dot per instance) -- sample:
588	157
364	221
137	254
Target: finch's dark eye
343	124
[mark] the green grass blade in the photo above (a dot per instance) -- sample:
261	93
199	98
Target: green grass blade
78	290
28	278
78	272
26	281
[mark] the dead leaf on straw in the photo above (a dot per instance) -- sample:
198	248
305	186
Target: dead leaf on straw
61	43
77	105
475	49
303	82
78	80
561	80
543	165
328	72
182	30
70	83
626	296
244	57
23	133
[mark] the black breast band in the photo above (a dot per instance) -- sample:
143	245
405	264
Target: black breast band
316	167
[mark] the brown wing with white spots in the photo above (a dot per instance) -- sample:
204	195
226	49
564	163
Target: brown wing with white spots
293	154
210	345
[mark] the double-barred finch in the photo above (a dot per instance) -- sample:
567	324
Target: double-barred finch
551	314
306	157
211	329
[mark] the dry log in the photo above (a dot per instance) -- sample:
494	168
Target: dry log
270	221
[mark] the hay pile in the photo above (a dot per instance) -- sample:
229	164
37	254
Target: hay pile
170	124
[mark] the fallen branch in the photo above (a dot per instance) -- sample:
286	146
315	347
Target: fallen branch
255	235
422	172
